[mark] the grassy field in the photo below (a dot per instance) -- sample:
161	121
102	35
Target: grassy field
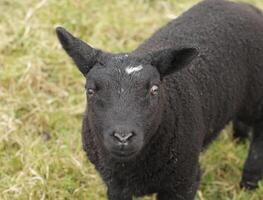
42	98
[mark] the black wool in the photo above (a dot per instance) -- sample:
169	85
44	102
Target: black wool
208	68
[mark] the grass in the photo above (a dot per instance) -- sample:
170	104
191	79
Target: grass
42	98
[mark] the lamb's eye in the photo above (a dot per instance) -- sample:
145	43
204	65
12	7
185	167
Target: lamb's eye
90	92
154	90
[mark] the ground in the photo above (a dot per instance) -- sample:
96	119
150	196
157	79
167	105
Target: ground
42	98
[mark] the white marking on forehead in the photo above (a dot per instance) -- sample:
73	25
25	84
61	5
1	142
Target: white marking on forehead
130	69
121	91
121	56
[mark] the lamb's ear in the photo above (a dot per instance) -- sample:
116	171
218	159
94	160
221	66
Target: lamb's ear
82	54
168	61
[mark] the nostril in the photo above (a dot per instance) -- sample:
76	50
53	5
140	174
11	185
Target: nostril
123	137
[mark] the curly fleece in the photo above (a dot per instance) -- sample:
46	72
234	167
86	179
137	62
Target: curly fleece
224	82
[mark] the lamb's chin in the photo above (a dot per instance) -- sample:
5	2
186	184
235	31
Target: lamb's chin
123	155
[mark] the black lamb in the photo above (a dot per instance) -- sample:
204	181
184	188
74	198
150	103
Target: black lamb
150	112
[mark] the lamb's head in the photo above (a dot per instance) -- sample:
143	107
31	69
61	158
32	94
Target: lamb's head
125	93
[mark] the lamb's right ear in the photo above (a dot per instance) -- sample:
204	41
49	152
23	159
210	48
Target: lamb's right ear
82	54
170	60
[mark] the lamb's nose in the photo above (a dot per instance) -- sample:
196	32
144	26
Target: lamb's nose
122	136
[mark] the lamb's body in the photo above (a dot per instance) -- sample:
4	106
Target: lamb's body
228	75
223	83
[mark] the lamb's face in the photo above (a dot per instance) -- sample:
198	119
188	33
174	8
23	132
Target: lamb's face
124	104
125	97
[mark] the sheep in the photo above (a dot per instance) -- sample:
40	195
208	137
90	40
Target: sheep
152	111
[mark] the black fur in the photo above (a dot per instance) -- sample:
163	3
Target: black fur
208	64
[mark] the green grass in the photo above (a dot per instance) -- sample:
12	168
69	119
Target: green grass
42	98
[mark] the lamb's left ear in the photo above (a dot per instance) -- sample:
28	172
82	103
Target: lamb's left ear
82	54
168	61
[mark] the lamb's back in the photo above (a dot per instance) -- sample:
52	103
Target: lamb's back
228	73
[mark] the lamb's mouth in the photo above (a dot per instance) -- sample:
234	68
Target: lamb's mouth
123	155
